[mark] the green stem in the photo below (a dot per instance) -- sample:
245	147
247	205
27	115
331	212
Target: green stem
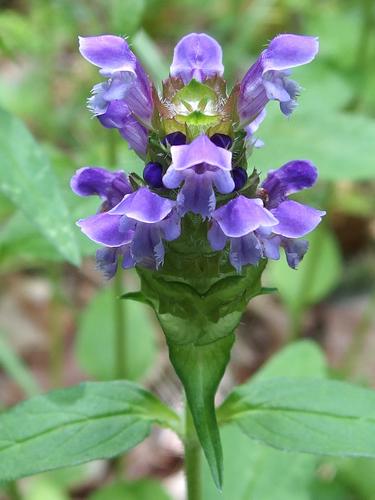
12	490
120	333
192	459
55	329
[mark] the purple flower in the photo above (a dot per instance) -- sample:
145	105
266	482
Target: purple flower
118	115
136	226
237	221
197	56
127	79
199	165
111	187
251	140
267	79
294	219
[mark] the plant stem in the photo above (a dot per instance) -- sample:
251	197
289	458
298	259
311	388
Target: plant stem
192	458
12	490
120	333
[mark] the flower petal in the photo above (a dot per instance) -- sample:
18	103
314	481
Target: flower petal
245	250
144	206
294	251
147	247
198	56
288	51
295	219
107	261
172	178
243	215
268	79
201	150
110	186
171	226
223	181
197	195
104	228
108	52
288	179
216	237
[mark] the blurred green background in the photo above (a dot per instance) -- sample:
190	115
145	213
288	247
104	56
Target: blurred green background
56	319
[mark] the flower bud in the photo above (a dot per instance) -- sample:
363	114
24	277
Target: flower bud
153	174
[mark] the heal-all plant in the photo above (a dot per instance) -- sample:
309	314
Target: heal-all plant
199	228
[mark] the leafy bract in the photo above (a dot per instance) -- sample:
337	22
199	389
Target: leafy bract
70	426
199	302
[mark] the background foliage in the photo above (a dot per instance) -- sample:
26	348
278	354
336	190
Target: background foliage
43	88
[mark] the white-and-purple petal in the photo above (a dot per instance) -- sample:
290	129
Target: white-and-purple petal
197	56
127	80
267	78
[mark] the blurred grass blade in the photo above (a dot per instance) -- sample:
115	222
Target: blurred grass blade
27	179
15	368
151	56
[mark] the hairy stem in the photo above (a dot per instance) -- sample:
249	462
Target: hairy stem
192	459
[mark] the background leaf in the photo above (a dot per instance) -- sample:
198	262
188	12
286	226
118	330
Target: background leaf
249	466
95	339
324	417
137	490
316	275
71	426
16	369
27	180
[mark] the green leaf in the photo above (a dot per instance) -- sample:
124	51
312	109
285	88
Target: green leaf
95	340
316	275
298	359
126	15
16	369
316	416
248	466
67	427
27	179
199	303
258	472
151	56
144	489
